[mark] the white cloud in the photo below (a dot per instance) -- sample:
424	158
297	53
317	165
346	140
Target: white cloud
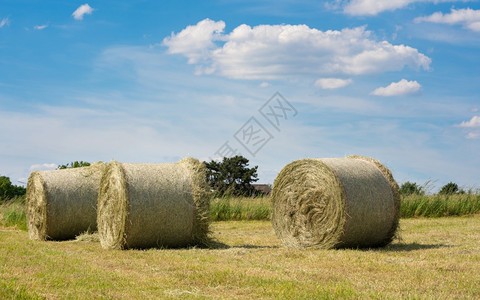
473	123
40	27
282	51
195	42
473	126
82	10
332	83
401	88
468	18
264	84
45	166
473	135
374	7
4	22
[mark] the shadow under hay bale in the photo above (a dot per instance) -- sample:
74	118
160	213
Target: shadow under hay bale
62	204
335	203
153	205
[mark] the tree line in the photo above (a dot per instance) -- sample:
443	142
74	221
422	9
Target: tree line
412	188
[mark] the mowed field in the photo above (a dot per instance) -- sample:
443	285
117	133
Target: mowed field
436	258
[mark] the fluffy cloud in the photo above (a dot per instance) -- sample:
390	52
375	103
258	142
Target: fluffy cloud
374	7
4	22
45	166
473	123
401	88
468	18
40	27
195	42
332	83
82	10
278	51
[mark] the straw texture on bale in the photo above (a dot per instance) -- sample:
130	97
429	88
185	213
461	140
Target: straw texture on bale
153	205
62	204
335	203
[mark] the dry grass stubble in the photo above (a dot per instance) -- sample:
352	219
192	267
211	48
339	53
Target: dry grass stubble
437	259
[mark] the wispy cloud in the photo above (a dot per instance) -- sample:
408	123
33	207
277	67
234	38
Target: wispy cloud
264	84
473	135
82	10
468	18
41	167
474	122
374	7
401	88
282	51
473	125
40	27
332	83
4	22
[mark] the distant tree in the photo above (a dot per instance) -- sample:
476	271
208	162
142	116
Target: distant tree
232	176
74	164
450	189
411	188
8	190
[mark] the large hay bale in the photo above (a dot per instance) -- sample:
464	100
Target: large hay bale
62	204
335	203
153	205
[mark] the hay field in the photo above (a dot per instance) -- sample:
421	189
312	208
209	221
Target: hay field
437	258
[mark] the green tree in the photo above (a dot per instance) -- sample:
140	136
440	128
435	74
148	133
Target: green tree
8	190
74	164
232	176
411	188
450	189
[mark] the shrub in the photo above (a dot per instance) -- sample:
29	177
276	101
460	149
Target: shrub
450	189
411	188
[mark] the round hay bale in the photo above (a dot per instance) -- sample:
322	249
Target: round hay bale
62	204
335	203
153	205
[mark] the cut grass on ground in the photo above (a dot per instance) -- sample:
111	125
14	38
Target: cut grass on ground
437	258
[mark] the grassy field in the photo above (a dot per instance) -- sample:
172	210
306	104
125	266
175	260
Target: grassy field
436	258
240	208
440	205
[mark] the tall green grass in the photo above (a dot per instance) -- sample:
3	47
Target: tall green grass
12	213
440	205
240	208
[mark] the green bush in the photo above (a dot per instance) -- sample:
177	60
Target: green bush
450	189
74	164
410	188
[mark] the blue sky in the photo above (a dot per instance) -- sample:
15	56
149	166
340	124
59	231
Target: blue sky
155	81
